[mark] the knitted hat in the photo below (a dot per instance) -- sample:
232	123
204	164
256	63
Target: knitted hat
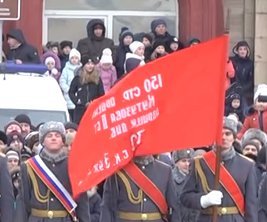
71	125
230	124
106	57
3	137
135	45
86	59
181	154
254	133
158	43
157	22
65	43
12	154
23	118
125	32
74	52
261	90
51	126
11	123
49	60
31	139
12	136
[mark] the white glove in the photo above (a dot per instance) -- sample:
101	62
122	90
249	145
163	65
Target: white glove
212	198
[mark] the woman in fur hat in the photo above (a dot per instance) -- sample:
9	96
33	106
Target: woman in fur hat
85	87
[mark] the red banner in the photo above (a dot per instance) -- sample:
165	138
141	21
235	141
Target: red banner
175	102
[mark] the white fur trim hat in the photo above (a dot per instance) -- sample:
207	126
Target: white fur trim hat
106	57
49	59
135	45
75	52
261	90
51	126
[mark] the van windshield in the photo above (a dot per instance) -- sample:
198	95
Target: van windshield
36	116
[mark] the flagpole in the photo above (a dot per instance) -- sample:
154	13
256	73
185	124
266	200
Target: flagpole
216	181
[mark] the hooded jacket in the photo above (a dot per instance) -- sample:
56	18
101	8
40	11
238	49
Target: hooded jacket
24	52
93	45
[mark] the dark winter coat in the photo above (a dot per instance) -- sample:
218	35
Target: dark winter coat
60	170
82	94
187	215
121	52
115	196
6	193
244	76
262	199
166	38
94	205
92	45
25	52
245	179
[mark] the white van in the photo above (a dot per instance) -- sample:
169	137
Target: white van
37	96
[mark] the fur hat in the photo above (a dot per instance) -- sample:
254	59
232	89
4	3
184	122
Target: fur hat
51	126
261	90
3	137
23	118
250	142
74	52
71	125
106	57
157	22
135	45
65	43
254	133
49	59
181	154
230	123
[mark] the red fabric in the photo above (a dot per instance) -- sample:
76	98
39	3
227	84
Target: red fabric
227	181
252	121
147	186
184	108
230	73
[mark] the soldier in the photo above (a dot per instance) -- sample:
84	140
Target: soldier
236	197
6	193
143	190
46	188
182	160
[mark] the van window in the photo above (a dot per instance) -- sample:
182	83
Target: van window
36	116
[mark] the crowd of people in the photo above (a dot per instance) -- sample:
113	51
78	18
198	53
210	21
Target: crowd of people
182	180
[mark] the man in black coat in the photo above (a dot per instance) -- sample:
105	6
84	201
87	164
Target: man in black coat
39	202
19	50
6	193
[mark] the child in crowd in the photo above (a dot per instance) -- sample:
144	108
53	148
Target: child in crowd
257	117
159	50
107	71
65	47
136	58
51	66
68	75
234	106
173	45
147	41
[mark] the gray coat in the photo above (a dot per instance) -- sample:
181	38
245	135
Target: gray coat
187	215
115	195
243	171
6	193
29	199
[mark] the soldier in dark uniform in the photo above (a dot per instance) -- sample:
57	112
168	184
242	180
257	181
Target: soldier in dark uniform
40	203
6	193
182	160
235	202
124	200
